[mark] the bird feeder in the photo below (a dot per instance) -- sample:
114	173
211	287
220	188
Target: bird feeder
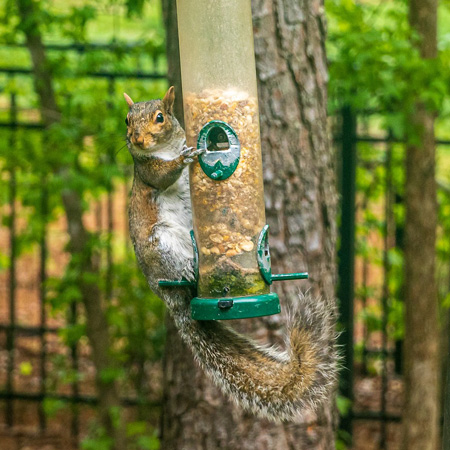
230	235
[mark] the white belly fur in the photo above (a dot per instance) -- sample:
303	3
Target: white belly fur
175	218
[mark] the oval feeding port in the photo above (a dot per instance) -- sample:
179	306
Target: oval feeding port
223	150
217	140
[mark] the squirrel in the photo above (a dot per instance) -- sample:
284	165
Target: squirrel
273	384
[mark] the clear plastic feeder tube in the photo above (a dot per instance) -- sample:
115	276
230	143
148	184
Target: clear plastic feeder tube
219	84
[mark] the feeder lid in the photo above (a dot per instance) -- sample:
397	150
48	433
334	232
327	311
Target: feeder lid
235	307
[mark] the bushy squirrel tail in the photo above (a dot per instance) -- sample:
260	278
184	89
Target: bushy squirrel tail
273	384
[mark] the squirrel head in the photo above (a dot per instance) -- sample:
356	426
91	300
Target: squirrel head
151	125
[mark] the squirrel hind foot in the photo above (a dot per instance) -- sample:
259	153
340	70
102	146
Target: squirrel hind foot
188	271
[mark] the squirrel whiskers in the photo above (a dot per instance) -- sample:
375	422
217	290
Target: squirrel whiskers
273	384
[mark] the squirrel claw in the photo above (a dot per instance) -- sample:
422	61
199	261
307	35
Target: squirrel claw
186	150
189	153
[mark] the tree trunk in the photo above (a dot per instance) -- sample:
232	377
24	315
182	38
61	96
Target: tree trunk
421	345
80	247
300	207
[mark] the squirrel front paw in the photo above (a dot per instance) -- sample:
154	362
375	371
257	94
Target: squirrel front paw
190	153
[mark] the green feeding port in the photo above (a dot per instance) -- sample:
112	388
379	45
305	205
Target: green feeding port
222	150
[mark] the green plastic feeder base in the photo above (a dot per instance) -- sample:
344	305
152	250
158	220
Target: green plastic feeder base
235	307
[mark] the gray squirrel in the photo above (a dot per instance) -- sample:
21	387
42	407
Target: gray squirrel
274	384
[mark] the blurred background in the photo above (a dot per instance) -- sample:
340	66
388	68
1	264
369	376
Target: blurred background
73	302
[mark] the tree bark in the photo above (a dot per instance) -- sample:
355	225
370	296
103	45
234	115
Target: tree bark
301	211
80	246
421	345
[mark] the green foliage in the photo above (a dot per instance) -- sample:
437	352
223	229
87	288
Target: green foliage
148	442
53	406
136	317
140	436
374	61
343	405
375	68
85	152
97	440
146	439
343	439
26	368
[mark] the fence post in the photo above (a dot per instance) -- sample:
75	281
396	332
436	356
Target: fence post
346	255
110	209
12	268
75	410
42	300
387	242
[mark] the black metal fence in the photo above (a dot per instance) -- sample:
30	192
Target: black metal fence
378	351
26	332
371	183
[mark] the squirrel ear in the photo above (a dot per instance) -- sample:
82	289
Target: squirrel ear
169	98
128	99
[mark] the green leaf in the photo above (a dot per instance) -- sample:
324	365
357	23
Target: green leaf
135	428
53	406
344	405
148	443
26	368
98	443
111	374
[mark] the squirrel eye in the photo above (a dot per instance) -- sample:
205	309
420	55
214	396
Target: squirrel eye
159	118
126	120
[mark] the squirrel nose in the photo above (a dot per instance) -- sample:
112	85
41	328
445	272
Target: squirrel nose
136	139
